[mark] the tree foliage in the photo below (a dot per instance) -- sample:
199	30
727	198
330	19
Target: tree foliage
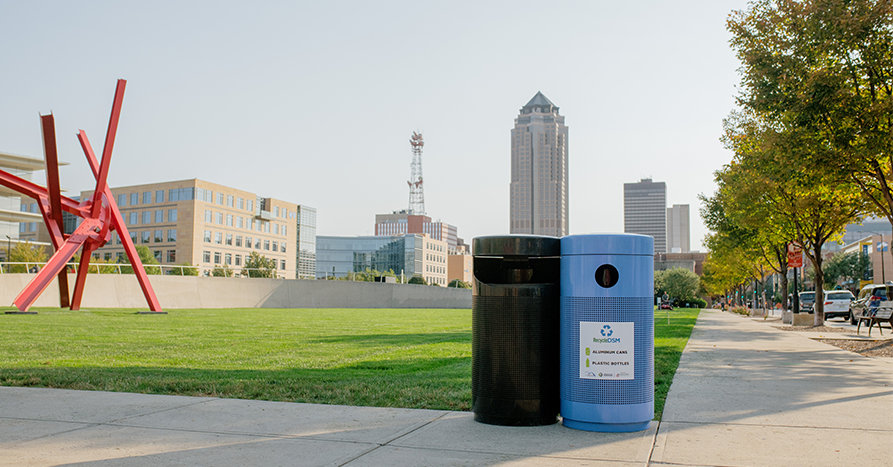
257	265
146	258
456	283
26	253
222	270
849	267
187	270
417	279
679	283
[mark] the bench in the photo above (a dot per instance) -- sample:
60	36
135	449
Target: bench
881	315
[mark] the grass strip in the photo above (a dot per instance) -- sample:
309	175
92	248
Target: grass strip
413	358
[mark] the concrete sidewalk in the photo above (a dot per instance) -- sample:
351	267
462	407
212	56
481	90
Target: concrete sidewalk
745	394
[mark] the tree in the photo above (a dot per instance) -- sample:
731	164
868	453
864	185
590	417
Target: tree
146	258
26	253
816	75
222	271
257	265
456	283
680	284
188	270
417	279
849	267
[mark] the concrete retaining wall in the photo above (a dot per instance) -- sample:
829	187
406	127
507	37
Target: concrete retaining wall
123	291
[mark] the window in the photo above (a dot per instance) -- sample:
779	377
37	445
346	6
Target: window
147	197
276	229
172	235
220	198
159	216
134	218
282	265
228	259
241	204
266	227
147	217
122	200
218	238
159	236
107	257
266	244
32	227
159	196
248	242
146	236
238	260
229	239
206	256
172	215
22	227
207	236
171	256
275	246
282	247
181	194
229	200
209	216
251	205
285	231
133	237
229	220
119	257
257	244
216	257
157	255
239	221
276	211
257	225
134	199
238	240
219	218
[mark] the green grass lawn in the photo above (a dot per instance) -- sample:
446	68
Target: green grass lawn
370	357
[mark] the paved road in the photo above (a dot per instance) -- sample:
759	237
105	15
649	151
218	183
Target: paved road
745	394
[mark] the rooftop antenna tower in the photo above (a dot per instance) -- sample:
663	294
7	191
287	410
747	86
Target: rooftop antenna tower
416	190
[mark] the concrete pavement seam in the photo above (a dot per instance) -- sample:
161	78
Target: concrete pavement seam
93	425
653	442
767	425
160	411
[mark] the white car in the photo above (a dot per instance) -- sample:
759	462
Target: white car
837	304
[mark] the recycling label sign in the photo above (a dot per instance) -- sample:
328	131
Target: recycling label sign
607	350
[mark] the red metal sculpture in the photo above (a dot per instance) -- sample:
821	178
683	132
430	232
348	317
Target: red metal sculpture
100	214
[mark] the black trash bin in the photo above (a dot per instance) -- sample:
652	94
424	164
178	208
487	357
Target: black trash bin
515	321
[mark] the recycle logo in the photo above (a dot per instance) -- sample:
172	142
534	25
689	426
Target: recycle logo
607	331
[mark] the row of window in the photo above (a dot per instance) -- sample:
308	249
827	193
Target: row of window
149	236
239	222
236	240
435	269
186	194
147	217
170	257
230	259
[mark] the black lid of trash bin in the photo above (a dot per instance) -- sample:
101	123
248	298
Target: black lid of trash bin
517	245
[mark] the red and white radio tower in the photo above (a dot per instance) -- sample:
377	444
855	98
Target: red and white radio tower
416	190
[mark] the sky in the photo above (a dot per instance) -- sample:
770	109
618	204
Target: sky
314	102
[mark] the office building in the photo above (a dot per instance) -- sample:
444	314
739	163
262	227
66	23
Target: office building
645	211
209	225
401	222
406	255
678	238
538	190
16	221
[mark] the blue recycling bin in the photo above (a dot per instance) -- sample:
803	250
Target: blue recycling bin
607	332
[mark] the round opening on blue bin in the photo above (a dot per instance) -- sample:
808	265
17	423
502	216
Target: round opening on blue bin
606	276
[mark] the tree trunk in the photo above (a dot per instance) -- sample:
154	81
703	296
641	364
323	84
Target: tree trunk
819	319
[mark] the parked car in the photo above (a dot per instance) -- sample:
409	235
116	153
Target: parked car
807	300
869	300
837	304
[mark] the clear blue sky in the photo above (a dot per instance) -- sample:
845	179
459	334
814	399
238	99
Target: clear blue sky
314	102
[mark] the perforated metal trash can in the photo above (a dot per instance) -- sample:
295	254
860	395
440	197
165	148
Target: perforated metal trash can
607	332
514	350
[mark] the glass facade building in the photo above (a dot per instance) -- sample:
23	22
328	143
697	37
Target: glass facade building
306	251
339	256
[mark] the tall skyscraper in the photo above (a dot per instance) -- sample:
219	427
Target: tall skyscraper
645	211
539	186
678	237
